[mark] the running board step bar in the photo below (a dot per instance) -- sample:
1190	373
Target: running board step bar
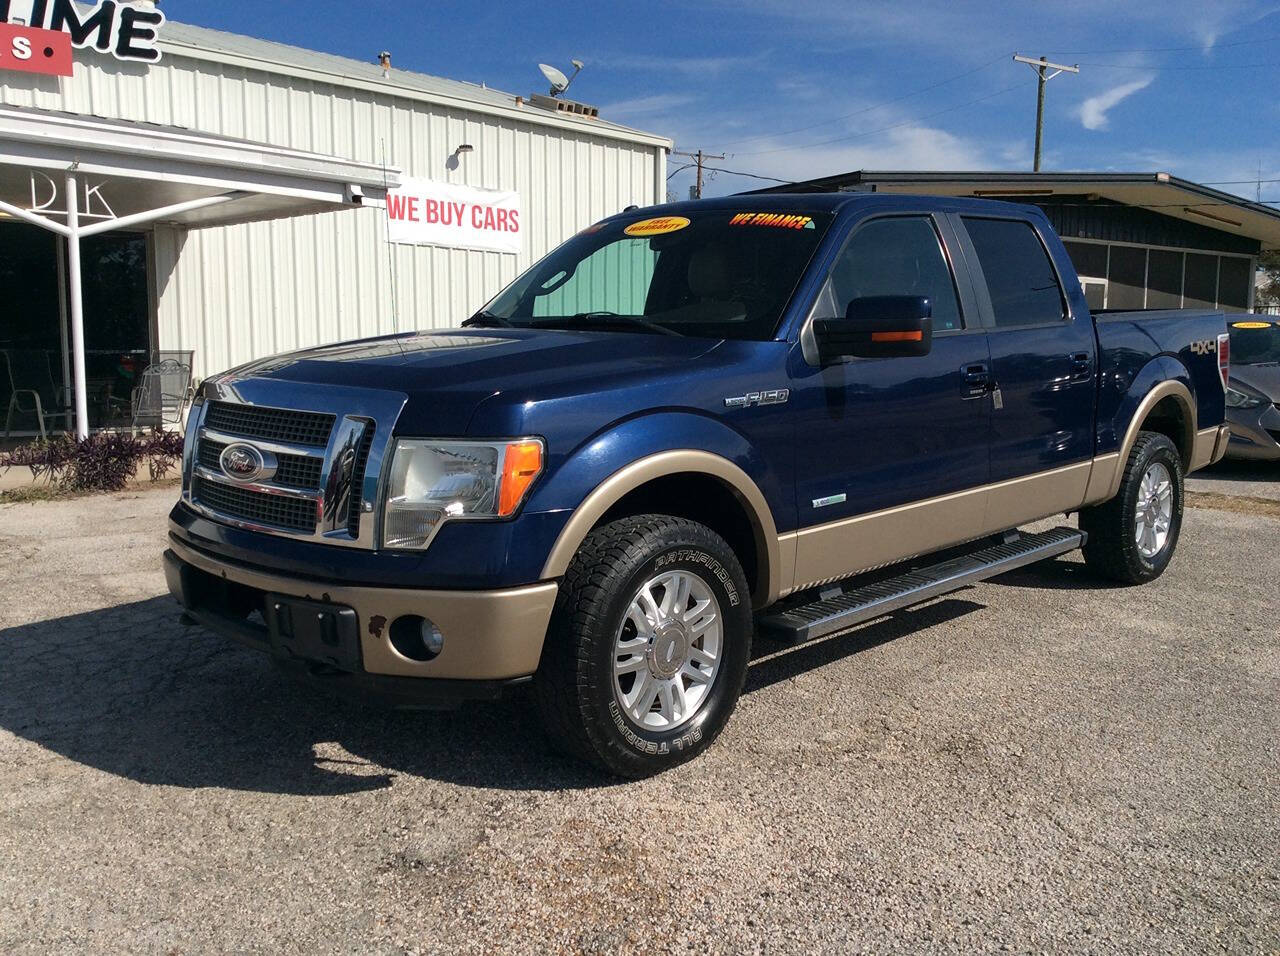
821	618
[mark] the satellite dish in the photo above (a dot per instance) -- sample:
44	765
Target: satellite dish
559	82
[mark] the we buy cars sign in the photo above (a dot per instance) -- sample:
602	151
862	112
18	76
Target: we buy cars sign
33	50
422	212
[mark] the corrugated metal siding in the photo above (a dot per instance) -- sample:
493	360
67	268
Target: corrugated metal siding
1080	217
241	292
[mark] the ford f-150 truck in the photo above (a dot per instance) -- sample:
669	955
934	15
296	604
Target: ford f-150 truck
779	415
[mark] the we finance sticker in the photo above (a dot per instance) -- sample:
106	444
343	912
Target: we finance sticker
778	220
656	227
1251	325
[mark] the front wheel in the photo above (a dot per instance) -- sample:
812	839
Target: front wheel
1133	536
648	645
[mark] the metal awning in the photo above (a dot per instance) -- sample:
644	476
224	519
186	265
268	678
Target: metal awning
80	176
1159	192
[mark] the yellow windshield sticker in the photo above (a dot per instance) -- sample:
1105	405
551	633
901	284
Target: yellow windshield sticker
776	219
656	227
1251	325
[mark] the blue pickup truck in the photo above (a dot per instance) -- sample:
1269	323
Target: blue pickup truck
686	427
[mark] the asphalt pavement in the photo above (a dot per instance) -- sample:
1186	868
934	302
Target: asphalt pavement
1041	762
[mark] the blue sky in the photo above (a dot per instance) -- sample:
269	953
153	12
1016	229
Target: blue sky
812	87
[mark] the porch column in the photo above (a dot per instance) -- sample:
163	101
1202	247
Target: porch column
77	307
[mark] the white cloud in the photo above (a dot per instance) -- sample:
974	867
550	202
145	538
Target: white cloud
620	110
701	66
1093	111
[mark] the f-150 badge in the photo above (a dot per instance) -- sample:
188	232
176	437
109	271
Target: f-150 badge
774	396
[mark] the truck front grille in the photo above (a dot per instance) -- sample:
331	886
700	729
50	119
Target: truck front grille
326	442
270	424
357	481
294	471
279	511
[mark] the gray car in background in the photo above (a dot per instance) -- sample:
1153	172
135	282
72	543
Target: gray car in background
1253	393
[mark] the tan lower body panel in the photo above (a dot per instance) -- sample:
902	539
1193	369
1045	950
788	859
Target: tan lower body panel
488	635
1030	498
1210	446
838	549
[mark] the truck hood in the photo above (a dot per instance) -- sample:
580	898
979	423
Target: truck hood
447	373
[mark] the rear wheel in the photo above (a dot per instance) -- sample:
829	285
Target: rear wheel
648	645
1133	536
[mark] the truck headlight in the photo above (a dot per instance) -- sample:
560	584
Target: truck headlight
1236	399
432	482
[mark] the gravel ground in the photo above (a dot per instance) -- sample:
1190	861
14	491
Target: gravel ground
1254	479
1039	762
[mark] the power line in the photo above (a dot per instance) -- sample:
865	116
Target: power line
735	172
1166	49
868	109
1161	69
699	159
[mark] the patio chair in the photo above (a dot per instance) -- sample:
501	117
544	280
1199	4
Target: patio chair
31	389
182	356
162	394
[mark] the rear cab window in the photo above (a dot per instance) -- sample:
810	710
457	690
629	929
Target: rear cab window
1020	276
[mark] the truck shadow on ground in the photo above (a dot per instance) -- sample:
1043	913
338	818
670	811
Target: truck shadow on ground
1060	574
129	691
1242	471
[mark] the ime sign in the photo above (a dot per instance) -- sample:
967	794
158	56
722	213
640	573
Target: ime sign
127	29
34	51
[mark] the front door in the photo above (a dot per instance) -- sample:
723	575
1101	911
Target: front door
885	445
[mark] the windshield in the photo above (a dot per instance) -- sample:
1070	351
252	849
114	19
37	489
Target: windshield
1254	341
719	274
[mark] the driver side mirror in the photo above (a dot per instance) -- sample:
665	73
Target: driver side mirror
877	326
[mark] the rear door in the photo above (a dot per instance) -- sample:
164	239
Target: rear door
1044	368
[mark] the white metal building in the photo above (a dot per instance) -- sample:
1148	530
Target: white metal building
240	264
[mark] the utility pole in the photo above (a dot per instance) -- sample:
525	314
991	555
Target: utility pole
698	160
1042	66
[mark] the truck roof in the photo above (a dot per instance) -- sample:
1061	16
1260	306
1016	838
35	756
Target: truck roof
834	202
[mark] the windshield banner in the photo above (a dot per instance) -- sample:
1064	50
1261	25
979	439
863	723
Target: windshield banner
426	213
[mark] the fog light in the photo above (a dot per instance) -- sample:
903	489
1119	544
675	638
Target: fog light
417	638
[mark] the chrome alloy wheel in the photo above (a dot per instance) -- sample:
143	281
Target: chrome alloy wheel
1154	510
667	651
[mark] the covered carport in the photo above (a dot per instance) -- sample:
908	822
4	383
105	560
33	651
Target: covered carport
80	177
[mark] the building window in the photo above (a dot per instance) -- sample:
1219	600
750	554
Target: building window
1164	279
1234	277
1200	289
1090	258
1127	280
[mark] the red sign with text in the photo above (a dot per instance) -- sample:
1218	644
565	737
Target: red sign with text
33	50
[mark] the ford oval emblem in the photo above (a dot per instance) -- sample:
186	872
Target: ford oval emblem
242	462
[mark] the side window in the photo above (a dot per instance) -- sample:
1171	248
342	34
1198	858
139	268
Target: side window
897	256
1024	288
615	278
